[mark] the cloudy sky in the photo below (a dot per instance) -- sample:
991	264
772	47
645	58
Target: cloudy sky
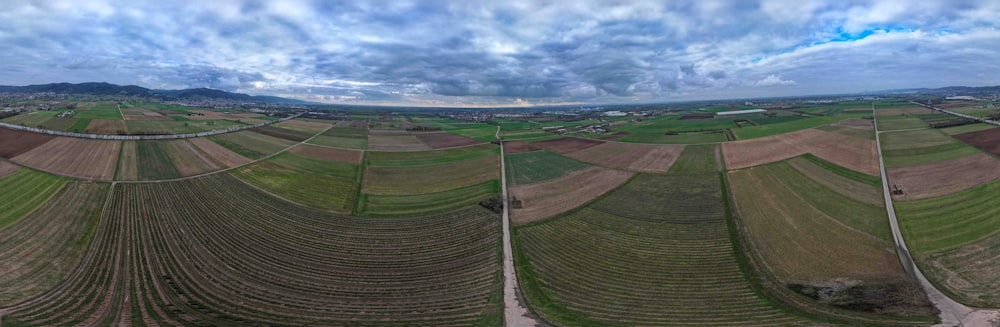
504	52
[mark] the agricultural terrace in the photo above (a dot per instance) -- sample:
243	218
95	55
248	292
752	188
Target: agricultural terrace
824	241
854	153
250	144
538	201
265	253
945	177
703	158
394	140
664	258
539	166
953	239
921	147
23	191
343	137
40	250
81	158
328	182
14	142
987	140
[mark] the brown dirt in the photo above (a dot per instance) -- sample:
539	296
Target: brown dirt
82	158
986	140
550	198
845	186
404	142
220	153
189	159
128	164
106	126
616	136
631	156
851	152
387	132
864	124
946	177
15	142
306	125
512	147
146	117
439	140
325	153
567	144
430	179
6	168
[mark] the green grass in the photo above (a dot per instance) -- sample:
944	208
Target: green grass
924	146
153	161
79	126
682	138
106	110
696	159
343	137
323	184
967	128
420	204
892	123
539	166
845	172
430	157
251	145
946	222
752	132
521	135
34	119
60	124
23	191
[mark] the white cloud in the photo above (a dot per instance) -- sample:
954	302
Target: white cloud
773	80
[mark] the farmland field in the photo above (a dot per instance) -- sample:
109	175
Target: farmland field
539	166
539	201
15	142
852	152
439	140
106	126
987	140
919	147
382	141
324	184
698	159
251	145
81	158
218	152
23	191
153	162
430	157
430	179
630	156
6	168
426	203
41	249
310	126
211	251
945	177
326	153
343	137
283	133
628	261
515	147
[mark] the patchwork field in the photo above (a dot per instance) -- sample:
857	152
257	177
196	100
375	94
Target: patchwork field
23	191
106	126
162	240
698	159
42	249
319	183
6	168
325	153
986	140
311	127
430	179
921	147
825	242
375	205
536	202
81	158
852	152
945	177
15	142
283	133
629	261
343	137
631	156
567	145
382	140
515	147
953	239
440	140
221	154
539	166
250	144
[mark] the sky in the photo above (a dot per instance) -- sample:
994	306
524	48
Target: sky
503	53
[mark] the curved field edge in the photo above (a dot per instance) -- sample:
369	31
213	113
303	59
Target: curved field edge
770	289
373	205
24	191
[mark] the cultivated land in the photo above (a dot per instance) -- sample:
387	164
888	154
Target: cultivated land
945	177
15	142
262	253
311	127
153	162
987	140
394	140
106	126
823	243
327	153
427	203
440	140
539	166
218	152
40	250
319	183
515	147
852	152
23	191
952	238
250	144
642	261
411	180
7	168
189	159
284	133
921	147
698	159
343	137
82	158
555	196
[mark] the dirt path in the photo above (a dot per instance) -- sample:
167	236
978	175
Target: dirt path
952	312
514	311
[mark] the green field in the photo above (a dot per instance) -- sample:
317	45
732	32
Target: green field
696	159
23	191
855	132
343	137
648	136
539	166
153	162
104	110
923	146
251	145
428	203
751	132
414	180
664	258
967	128
842	171
139	127
323	184
79	126
430	157
946	222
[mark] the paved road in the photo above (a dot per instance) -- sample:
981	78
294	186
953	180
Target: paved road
952	312
515	314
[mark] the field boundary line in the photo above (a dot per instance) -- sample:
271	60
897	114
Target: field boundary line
147	137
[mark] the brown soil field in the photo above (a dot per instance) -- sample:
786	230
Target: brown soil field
631	156
616	136
353	123
986	140
128	164
942	178
440	140
900	111
82	158
7	168
856	123
851	152
387	132
567	145
429	179
325	153
306	125
106	126
223	155
512	147
397	142
553	197
146	117
189	159
15	142
167	112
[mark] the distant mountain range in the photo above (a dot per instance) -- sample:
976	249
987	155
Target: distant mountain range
132	90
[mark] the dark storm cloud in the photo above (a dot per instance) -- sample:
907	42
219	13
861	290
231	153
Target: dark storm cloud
502	52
